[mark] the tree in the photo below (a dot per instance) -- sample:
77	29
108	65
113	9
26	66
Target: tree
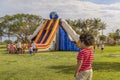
102	38
92	26
117	34
1	29
20	25
114	37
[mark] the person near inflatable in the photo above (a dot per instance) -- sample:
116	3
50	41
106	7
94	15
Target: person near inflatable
85	58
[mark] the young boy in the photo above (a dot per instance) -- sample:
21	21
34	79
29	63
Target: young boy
33	44
31	50
85	57
102	47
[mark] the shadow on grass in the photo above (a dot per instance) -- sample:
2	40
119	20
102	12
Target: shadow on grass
106	66
97	66
63	69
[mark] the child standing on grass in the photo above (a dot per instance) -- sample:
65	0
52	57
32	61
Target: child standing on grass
102	47
84	59
31	50
34	47
12	48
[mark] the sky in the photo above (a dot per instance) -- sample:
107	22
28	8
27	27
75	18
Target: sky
107	10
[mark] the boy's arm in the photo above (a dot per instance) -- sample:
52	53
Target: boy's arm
79	64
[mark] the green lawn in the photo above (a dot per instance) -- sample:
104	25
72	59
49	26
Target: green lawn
57	65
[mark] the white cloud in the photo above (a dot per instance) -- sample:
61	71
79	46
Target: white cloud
73	9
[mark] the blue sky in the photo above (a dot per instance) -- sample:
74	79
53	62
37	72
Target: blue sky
103	1
107	10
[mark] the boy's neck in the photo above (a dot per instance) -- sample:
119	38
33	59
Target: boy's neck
86	47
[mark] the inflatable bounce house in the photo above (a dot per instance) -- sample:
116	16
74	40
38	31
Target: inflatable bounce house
55	34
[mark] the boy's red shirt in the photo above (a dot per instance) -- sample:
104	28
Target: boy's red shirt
86	55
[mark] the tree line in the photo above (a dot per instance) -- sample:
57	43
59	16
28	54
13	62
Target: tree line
95	26
22	25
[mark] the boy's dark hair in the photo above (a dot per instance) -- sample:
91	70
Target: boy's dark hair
87	38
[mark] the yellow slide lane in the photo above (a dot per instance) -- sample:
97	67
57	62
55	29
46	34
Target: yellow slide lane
40	32
51	37
53	33
47	30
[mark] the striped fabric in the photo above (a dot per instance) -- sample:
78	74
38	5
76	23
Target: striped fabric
86	55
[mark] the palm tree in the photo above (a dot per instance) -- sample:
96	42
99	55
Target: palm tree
99	25
92	26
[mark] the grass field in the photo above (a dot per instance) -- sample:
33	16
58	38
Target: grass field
57	65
